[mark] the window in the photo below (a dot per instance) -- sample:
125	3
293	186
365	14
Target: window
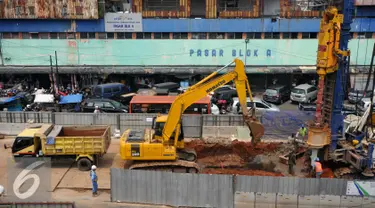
276	35
43	36
15	35
90	104
180	35
305	35
64	11
286	35
250	35
260	105
71	36
139	35
143	35
313	35
368	35
6	35
102	35
165	35
31	10
110	35
53	35
234	35
108	105
257	35
124	35
107	90
62	35
294	35
99	104
34	35
25	35
98	91
79	10
115	89
83	35
216	35
351	35
199	36
157	35
18	10
267	35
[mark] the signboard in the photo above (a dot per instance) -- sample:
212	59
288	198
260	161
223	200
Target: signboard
123	22
360	188
361	2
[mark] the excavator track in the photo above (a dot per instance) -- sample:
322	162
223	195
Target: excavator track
178	166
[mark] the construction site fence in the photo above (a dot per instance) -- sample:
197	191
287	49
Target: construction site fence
195	126
230	191
37	205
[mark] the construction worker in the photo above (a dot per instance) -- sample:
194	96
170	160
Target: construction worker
97	110
291	162
302	132
357	145
94	180
318	168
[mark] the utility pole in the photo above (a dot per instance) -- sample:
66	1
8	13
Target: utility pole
52	83
246	42
57	71
1	51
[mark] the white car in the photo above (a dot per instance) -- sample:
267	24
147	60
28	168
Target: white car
260	106
304	93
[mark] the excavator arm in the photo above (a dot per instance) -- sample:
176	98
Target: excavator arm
210	84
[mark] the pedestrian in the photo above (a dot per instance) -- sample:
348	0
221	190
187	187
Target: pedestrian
318	168
302	132
94	180
291	162
97	110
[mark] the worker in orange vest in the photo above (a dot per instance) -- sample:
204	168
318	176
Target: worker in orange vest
318	168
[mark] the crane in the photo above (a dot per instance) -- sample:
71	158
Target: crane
326	134
162	147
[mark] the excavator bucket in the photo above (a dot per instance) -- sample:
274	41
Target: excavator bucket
256	128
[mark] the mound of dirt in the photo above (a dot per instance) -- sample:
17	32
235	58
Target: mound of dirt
245	150
240	172
222	161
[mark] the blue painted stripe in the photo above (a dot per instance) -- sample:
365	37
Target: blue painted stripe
184	25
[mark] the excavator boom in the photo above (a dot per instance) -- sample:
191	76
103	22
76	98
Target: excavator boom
210	84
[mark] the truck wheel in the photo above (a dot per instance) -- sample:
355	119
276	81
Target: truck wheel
84	164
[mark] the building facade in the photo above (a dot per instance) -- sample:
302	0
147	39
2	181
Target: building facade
179	37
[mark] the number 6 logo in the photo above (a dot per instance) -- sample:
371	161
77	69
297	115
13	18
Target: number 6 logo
23	177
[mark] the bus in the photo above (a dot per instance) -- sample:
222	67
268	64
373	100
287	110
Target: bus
162	104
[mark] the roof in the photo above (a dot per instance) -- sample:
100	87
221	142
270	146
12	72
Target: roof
303	86
29	132
109	85
44	98
4	100
163	99
77	98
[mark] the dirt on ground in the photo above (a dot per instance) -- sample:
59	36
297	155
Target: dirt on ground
240	172
234	157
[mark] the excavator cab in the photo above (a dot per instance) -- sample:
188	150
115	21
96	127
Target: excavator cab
158	126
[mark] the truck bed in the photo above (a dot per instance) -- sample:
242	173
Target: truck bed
77	140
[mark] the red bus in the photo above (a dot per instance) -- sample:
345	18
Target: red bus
162	104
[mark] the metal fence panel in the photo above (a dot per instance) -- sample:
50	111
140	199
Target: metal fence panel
192	125
38	205
175	189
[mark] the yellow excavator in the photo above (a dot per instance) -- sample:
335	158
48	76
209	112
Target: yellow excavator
162	147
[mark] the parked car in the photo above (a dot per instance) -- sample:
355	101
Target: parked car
304	93
356	95
364	104
105	105
261	106
109	90
277	94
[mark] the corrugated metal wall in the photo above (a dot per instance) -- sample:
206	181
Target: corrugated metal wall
183	12
291	185
49	9
175	189
290	9
38	205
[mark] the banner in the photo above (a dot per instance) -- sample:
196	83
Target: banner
123	22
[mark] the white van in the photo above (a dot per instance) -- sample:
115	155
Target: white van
304	93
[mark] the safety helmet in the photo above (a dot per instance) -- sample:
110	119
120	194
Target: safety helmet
93	167
302	125
317	159
355	142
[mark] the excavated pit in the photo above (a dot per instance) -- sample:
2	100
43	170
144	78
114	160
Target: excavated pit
235	157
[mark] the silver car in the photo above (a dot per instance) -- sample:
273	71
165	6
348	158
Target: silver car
304	93
261	106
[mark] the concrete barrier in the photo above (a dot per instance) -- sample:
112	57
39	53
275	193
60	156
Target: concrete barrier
13	129
244	200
